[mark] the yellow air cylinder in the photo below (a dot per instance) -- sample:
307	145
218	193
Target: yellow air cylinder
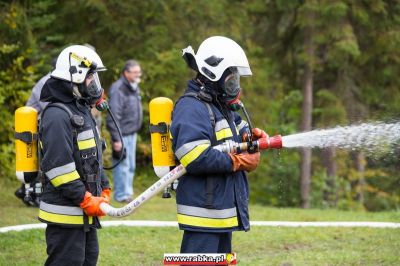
26	152
160	109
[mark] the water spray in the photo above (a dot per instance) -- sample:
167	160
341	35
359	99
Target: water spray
228	146
367	136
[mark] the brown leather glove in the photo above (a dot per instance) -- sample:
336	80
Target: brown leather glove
106	193
245	161
91	204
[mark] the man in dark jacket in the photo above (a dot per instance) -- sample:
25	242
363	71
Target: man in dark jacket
125	103
212	198
72	159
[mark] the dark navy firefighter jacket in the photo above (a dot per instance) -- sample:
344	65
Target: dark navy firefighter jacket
72	159
210	197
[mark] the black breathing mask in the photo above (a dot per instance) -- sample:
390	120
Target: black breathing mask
229	88
93	91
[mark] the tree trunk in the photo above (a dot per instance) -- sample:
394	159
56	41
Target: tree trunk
359	164
328	158
305	179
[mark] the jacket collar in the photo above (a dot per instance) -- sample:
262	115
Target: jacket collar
56	90
193	86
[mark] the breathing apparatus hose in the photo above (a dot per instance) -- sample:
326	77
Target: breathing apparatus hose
251	148
228	146
121	156
247	117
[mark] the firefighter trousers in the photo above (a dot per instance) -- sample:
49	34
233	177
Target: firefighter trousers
201	242
71	246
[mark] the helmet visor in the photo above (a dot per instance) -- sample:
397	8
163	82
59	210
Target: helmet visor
244	71
94	87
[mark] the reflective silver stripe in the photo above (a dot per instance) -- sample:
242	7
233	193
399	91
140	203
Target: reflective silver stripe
221	125
185	148
242	125
206	213
88	134
66	210
61	170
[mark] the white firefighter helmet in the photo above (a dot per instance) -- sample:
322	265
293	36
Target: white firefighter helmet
75	62
218	53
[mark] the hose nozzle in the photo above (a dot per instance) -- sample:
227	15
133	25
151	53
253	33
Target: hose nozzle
274	142
230	146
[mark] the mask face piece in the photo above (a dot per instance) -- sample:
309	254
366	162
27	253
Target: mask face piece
231	85
92	91
230	88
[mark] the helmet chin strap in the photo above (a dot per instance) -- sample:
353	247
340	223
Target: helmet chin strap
76	92
78	96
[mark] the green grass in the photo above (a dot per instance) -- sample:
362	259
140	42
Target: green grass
260	246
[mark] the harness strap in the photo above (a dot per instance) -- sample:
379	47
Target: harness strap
76	121
161	128
200	96
26	136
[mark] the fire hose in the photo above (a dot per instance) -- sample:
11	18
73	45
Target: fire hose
228	146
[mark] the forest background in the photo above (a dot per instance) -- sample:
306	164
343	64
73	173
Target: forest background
315	64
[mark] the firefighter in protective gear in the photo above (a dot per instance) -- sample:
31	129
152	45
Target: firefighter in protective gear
212	198
72	159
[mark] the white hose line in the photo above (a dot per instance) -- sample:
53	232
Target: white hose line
22	227
146	195
144	223
326	224
227	147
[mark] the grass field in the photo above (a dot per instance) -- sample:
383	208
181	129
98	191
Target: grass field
260	246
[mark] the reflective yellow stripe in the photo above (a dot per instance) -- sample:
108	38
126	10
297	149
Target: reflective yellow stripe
193	154
224	133
62	179
207	222
62	219
86	144
242	125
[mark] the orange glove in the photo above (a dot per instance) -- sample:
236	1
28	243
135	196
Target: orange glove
106	194
258	133
245	161
91	204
